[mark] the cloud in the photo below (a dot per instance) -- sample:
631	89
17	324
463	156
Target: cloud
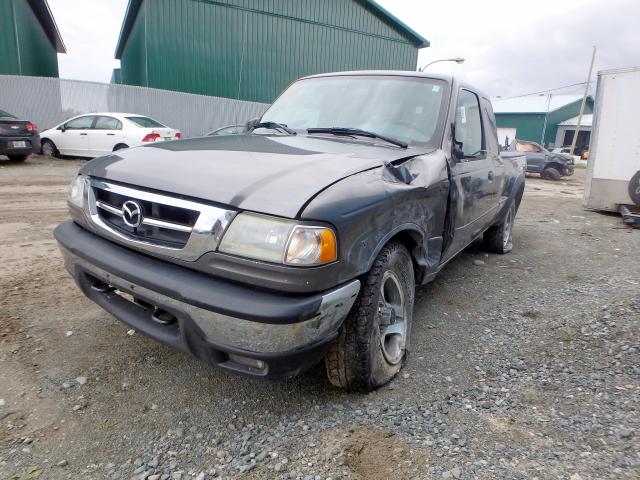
513	48
90	30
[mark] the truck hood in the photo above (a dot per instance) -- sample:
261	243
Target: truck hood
271	174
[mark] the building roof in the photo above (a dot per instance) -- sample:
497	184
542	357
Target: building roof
45	17
533	103
587	121
418	40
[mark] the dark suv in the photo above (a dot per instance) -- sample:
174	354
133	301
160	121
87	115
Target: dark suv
18	138
550	165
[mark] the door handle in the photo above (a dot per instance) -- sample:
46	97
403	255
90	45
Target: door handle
110	133
490	175
83	134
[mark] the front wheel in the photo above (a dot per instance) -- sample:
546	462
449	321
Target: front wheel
18	158
372	343
551	173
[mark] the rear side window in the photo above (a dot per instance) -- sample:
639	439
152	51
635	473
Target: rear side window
81	123
145	122
469	124
6	114
107	123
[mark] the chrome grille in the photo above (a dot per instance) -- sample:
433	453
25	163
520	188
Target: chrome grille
163	224
167	225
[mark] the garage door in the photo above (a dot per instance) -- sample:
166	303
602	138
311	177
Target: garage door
506	135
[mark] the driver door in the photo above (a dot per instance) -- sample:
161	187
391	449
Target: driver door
74	139
473	175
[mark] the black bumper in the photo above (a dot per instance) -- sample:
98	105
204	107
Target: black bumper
210	318
7	145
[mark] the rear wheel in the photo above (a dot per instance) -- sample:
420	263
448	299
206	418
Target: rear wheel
551	173
499	238
120	146
372	344
49	149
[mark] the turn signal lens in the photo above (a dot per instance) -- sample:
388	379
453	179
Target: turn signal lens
311	246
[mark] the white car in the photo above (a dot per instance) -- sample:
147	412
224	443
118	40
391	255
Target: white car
96	134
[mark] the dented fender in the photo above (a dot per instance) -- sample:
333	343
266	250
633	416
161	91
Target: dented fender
372	207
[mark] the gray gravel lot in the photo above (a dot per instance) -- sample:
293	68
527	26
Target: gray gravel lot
522	366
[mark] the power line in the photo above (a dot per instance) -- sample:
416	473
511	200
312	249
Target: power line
542	91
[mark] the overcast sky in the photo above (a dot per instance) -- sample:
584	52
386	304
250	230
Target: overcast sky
509	49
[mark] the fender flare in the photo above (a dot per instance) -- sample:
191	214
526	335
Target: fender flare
417	250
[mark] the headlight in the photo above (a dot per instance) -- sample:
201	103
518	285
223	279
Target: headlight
279	240
77	191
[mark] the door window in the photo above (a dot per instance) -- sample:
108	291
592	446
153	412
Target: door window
469	135
492	129
107	123
80	123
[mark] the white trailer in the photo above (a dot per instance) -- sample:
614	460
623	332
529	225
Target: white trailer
613	169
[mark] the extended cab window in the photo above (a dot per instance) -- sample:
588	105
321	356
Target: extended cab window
107	123
469	124
81	123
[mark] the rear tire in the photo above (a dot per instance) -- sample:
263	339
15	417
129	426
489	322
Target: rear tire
551	173
120	146
499	238
372	343
18	158
49	149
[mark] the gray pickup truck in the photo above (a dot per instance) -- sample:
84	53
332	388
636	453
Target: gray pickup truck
303	239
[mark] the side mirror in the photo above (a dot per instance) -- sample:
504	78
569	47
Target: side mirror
458	153
251	124
61	128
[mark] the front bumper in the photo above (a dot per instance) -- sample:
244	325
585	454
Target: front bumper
7	145
236	327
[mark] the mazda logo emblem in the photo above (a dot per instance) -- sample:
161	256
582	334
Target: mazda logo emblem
132	213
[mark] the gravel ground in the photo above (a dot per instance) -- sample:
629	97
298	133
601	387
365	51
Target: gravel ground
522	366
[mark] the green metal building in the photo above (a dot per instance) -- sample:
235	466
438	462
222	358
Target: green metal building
536	117
29	39
251	50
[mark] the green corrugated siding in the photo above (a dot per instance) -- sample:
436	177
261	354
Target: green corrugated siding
30	52
133	64
253	50
529	125
9	64
562	114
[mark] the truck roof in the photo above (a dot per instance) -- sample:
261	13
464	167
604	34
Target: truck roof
450	79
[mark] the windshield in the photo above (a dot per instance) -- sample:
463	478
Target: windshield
6	114
404	108
146	122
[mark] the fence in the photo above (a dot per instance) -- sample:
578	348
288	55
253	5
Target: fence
49	101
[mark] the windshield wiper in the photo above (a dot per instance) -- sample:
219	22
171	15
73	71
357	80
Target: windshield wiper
275	126
357	131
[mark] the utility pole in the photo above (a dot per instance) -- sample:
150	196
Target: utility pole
584	101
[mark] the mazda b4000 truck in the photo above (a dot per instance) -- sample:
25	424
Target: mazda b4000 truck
303	238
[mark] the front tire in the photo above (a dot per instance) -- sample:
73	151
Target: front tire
551	173
372	343
18	158
499	238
